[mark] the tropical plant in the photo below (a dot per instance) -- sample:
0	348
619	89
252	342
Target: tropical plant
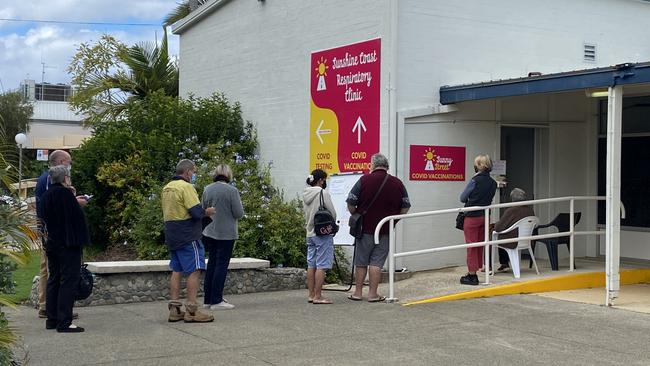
15	113
108	73
17	236
183	9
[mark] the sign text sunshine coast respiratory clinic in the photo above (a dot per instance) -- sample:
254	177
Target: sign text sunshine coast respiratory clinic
344	107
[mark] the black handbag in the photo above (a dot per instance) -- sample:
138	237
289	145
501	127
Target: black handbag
86	282
355	223
460	221
324	223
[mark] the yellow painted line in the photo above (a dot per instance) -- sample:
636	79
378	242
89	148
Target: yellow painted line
559	283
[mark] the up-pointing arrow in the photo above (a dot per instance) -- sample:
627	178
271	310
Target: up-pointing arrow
358	126
320	131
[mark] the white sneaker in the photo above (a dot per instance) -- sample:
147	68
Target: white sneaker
223	305
206	306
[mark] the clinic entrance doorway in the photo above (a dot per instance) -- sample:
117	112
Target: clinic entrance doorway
518	151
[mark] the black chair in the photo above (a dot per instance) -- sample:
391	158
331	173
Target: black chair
561	223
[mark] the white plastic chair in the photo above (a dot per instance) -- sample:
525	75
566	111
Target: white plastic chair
526	227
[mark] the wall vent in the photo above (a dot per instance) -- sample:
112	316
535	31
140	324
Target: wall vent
589	53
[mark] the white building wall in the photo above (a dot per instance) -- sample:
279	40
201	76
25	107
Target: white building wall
465	41
54	125
468	41
437	231
258	53
55	111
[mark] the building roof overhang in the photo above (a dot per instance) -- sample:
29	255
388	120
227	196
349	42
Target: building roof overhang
622	74
197	15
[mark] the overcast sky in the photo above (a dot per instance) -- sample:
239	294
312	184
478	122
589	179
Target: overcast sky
24	46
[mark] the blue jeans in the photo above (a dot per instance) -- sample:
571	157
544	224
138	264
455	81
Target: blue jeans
219	253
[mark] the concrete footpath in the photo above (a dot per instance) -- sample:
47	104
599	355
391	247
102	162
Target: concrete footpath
281	328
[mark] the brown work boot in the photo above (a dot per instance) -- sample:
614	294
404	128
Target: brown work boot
175	312
194	315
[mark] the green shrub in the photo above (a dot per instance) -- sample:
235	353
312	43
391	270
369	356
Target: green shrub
6	356
127	162
7	285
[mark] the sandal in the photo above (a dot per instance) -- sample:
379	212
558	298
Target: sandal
354	298
378	299
322	302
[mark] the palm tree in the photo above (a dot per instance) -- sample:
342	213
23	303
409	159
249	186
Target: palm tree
182	10
17	234
105	83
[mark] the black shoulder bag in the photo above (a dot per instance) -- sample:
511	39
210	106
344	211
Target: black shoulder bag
324	223
86	282
356	219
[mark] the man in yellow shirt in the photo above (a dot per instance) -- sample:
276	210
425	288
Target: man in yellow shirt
182	213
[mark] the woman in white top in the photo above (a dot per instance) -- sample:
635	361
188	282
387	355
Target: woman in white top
320	247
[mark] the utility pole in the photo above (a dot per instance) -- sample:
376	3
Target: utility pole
42	79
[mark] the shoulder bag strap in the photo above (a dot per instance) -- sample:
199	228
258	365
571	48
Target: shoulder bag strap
376	195
322	201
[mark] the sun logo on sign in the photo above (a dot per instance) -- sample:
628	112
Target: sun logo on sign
429	158
321	72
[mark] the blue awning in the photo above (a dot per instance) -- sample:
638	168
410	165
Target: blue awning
623	74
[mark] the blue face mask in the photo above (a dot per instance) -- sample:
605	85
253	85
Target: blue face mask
193	179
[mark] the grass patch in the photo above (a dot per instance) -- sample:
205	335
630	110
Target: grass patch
23	277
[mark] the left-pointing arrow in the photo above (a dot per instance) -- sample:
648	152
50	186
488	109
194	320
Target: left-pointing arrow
320	131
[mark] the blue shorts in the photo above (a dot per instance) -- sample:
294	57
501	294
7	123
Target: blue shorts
188	258
320	252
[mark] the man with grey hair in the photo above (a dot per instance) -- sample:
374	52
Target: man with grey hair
183	214
56	158
67	233
374	196
509	218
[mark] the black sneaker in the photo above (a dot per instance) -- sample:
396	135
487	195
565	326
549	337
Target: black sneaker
469	279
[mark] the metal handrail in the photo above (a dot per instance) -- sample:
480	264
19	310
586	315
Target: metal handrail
486	243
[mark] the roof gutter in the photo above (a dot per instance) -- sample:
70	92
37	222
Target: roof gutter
197	15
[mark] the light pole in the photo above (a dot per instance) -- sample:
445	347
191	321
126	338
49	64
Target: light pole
21	139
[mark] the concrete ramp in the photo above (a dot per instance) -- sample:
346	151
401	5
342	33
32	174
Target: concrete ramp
557	283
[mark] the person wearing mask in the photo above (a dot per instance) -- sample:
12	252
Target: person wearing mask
183	215
220	235
375	196
320	248
44	182
479	192
67	233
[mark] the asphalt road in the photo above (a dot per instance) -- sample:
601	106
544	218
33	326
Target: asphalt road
281	328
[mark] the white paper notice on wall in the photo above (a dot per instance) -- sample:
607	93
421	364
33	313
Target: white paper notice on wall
42	155
498	167
339	186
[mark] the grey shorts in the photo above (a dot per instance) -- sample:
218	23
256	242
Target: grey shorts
369	254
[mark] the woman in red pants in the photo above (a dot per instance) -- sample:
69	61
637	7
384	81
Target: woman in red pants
478	192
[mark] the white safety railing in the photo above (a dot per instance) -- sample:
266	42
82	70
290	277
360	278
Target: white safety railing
485	243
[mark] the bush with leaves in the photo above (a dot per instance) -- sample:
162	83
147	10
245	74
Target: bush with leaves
17	237
128	161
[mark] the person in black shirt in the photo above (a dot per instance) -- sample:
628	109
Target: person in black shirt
67	233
